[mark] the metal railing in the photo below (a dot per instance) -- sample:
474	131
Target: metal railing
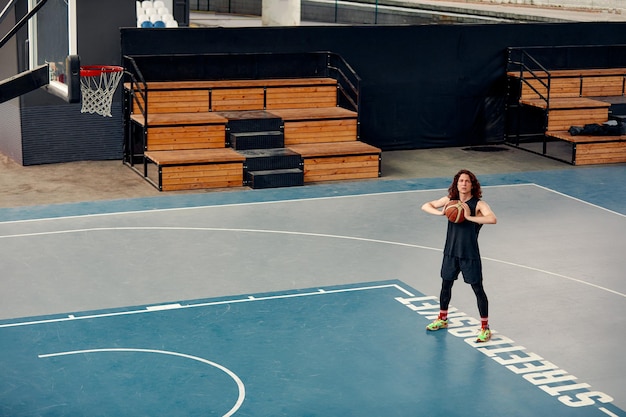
137	95
535	72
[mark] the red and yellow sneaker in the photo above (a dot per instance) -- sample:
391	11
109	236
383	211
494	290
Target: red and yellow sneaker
484	335
438	324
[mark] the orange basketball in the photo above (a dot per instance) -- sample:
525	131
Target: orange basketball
454	211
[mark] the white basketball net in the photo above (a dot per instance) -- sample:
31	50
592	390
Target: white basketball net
97	92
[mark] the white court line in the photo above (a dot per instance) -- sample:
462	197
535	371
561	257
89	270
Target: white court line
579	200
156	308
240	386
164	307
309	234
607	412
253	203
295	200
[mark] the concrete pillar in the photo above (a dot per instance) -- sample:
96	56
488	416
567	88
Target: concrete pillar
280	13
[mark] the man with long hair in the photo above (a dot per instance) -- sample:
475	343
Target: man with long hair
461	253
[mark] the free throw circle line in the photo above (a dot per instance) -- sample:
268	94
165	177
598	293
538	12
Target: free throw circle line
240	386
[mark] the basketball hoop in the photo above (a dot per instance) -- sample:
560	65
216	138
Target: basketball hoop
97	86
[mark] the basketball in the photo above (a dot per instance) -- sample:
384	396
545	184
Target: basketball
454	211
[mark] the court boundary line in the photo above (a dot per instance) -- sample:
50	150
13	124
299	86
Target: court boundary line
296	199
178	306
249	203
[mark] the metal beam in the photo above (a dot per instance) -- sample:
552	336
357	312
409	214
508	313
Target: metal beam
24	82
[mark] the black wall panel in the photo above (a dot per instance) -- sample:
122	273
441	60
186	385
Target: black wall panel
64	134
423	86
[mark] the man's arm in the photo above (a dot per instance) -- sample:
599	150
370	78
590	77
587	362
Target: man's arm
434	207
484	214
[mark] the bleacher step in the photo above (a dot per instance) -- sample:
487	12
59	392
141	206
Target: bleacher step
275	178
256	140
251	121
268	159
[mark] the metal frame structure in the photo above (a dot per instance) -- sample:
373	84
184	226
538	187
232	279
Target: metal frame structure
321	64
521	61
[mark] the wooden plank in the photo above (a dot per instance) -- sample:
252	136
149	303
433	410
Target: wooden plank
607	86
214	167
315	125
319	139
578	117
567	103
175	101
194	156
558	88
345	166
332	112
320	131
186	137
600	153
347	163
568	119
573	83
301	97
237	99
189	177
301	91
564	119
339	174
179	144
337	161
321	126
159	119
188	130
565	135
189	173
339	177
201	185
304	103
334	149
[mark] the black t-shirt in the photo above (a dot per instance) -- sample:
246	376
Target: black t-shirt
462	238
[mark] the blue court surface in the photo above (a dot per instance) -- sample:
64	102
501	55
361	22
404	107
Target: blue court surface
314	301
352	350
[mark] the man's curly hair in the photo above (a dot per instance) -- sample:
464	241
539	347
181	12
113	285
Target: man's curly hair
453	191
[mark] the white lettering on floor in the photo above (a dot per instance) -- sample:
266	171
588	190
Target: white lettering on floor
532	367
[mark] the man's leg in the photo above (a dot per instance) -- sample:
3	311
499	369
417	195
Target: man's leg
445	295
483	308
441	322
481	298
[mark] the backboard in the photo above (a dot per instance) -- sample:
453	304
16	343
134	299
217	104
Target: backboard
52	41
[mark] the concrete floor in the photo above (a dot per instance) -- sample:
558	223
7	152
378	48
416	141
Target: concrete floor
111	180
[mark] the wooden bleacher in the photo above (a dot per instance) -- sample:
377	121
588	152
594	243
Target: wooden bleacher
577	97
199	134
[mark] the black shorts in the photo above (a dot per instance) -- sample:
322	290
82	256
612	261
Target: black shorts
472	269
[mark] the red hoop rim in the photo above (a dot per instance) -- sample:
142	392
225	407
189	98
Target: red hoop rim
95	70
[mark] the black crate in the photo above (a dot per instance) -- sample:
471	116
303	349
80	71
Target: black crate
276	178
256	140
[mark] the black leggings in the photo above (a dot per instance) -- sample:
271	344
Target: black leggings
481	297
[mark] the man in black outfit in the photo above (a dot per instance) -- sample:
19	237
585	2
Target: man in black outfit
461	252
